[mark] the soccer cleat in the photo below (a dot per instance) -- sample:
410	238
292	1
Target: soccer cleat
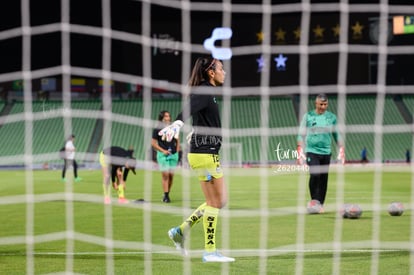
107	200
166	199
63	180
216	257
78	179
314	207
177	237
122	200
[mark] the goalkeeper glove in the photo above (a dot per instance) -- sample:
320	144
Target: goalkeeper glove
341	155
171	131
301	156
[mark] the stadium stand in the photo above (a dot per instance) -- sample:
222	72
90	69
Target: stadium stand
361	115
245	117
246	113
86	128
408	101
48	131
12	133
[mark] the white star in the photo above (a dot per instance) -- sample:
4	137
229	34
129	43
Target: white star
260	64
280	62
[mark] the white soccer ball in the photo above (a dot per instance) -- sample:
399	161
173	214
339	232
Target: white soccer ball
351	211
343	210
314	207
396	209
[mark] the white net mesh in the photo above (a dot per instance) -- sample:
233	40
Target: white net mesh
105	69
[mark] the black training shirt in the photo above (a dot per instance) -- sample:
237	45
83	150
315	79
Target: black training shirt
171	146
205	113
118	152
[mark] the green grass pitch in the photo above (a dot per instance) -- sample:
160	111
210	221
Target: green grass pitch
264	226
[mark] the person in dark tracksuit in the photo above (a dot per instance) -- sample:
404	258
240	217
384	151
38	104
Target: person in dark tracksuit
315	135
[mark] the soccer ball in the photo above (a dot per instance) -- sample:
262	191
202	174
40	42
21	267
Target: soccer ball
396	209
314	207
351	211
343	210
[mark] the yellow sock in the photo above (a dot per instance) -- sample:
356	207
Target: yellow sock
209	224
106	189
121	191
193	219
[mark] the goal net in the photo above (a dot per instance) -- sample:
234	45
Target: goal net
104	70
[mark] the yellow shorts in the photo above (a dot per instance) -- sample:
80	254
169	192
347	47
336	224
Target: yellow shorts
207	166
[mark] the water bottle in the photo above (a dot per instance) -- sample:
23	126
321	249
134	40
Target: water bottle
169	153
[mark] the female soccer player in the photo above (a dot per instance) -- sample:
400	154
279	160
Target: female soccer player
116	163
167	155
205	144
315	132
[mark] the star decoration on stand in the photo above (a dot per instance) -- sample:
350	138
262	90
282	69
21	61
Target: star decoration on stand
357	28
280	62
336	30
260	36
261	64
280	34
318	31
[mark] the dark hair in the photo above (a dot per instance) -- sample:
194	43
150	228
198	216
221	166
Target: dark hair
161	115
200	70
322	97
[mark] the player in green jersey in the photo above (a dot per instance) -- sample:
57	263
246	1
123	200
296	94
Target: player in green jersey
315	135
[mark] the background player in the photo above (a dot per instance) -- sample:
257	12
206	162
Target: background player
167	155
116	163
69	159
315	135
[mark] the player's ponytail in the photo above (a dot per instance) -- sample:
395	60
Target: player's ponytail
200	70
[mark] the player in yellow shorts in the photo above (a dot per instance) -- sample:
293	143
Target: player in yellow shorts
116	163
205	143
